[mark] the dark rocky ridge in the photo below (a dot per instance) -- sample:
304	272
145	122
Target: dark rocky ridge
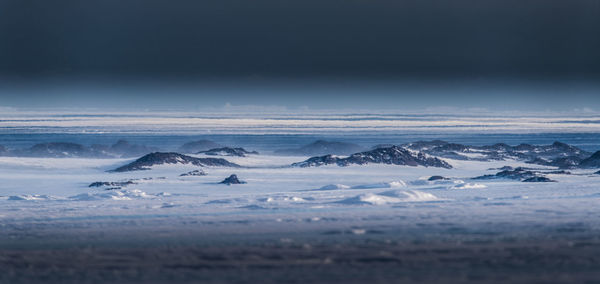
538	179
112	183
227	151
391	155
232	179
322	147
197	146
434	178
159	158
520	173
193	173
558	154
591	162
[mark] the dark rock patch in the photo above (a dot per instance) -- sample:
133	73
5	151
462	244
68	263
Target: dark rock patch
193	173
112	183
227	151
592	161
392	155
159	158
538	179
232	179
434	178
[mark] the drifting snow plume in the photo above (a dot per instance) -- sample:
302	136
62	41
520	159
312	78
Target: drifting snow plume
116	195
469	186
334	187
390	197
32	197
393	184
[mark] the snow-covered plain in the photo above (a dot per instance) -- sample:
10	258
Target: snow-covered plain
56	190
355	224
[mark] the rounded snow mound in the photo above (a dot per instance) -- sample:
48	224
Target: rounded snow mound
390	197
469	186
334	187
283	199
32	197
431	180
392	184
116	195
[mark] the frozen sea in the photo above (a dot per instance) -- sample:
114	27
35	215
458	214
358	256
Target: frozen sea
356	224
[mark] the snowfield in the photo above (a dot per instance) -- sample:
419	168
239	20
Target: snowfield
286	224
56	190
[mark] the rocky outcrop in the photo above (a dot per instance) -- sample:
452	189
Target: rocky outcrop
118	184
391	155
193	173
520	174
159	158
434	178
558	154
592	161
227	151
232	179
322	147
538	179
197	146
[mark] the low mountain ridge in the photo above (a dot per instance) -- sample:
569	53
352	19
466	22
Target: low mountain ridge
227	151
592	161
557	154
393	155
161	158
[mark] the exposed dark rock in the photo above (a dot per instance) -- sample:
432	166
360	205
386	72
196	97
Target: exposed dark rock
597	173
381	146
591	162
393	155
232	179
433	178
159	158
566	163
227	151
112	183
322	147
197	146
193	173
538	179
558	154
506	168
520	173
497	147
425	145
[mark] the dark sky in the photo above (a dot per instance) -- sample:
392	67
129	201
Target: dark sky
541	40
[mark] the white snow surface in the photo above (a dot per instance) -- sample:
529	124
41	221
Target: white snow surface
57	190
